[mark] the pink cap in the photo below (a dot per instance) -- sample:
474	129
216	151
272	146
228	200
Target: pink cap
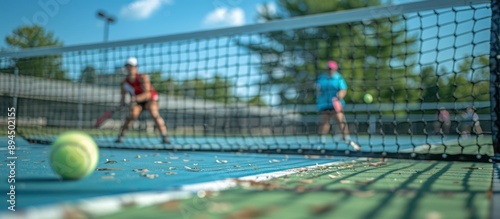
332	65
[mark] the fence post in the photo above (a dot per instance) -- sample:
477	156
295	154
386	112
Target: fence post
495	75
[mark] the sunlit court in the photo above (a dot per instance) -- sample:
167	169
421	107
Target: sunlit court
308	109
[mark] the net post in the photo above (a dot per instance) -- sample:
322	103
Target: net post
16	87
495	75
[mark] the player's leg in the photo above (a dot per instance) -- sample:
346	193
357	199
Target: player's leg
342	124
344	128
337	133
152	107
437	127
324	125
446	127
466	129
135	111
477	128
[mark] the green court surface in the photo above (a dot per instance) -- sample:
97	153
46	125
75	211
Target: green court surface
360	189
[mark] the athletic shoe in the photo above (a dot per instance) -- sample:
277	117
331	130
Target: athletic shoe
165	140
355	145
119	139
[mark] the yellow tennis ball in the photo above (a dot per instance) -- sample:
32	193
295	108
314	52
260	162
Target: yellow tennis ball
368	98
74	155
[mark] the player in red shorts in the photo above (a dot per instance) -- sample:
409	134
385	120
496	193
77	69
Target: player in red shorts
143	96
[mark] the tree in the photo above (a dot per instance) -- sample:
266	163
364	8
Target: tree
88	75
162	86
256	101
28	37
366	51
217	89
468	83
471	81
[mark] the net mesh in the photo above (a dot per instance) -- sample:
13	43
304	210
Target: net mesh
254	88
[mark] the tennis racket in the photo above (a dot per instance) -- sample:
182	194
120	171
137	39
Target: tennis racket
106	116
337	105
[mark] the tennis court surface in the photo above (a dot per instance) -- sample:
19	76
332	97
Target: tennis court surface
249	138
179	184
362	189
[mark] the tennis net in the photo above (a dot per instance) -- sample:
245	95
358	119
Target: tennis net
252	88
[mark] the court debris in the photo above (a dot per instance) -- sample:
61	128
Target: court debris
195	169
107	169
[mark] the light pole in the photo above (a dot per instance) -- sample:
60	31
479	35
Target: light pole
108	20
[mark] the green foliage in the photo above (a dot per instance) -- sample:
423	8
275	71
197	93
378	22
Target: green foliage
256	101
364	51
470	82
28	37
88	75
216	89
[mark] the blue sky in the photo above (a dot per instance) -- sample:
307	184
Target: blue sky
75	22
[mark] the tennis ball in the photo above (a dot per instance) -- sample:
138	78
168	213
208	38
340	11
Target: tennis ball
368	98
74	155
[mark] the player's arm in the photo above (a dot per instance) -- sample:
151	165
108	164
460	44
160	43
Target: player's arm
475	117
341	94
126	88
146	87
122	94
463	114
342	89
318	89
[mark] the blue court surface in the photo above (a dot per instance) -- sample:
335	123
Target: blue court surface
126	171
122	171
377	143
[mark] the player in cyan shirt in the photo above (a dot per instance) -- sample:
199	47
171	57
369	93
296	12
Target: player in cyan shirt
329	86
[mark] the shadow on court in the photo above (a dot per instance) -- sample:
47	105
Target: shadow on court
390	189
